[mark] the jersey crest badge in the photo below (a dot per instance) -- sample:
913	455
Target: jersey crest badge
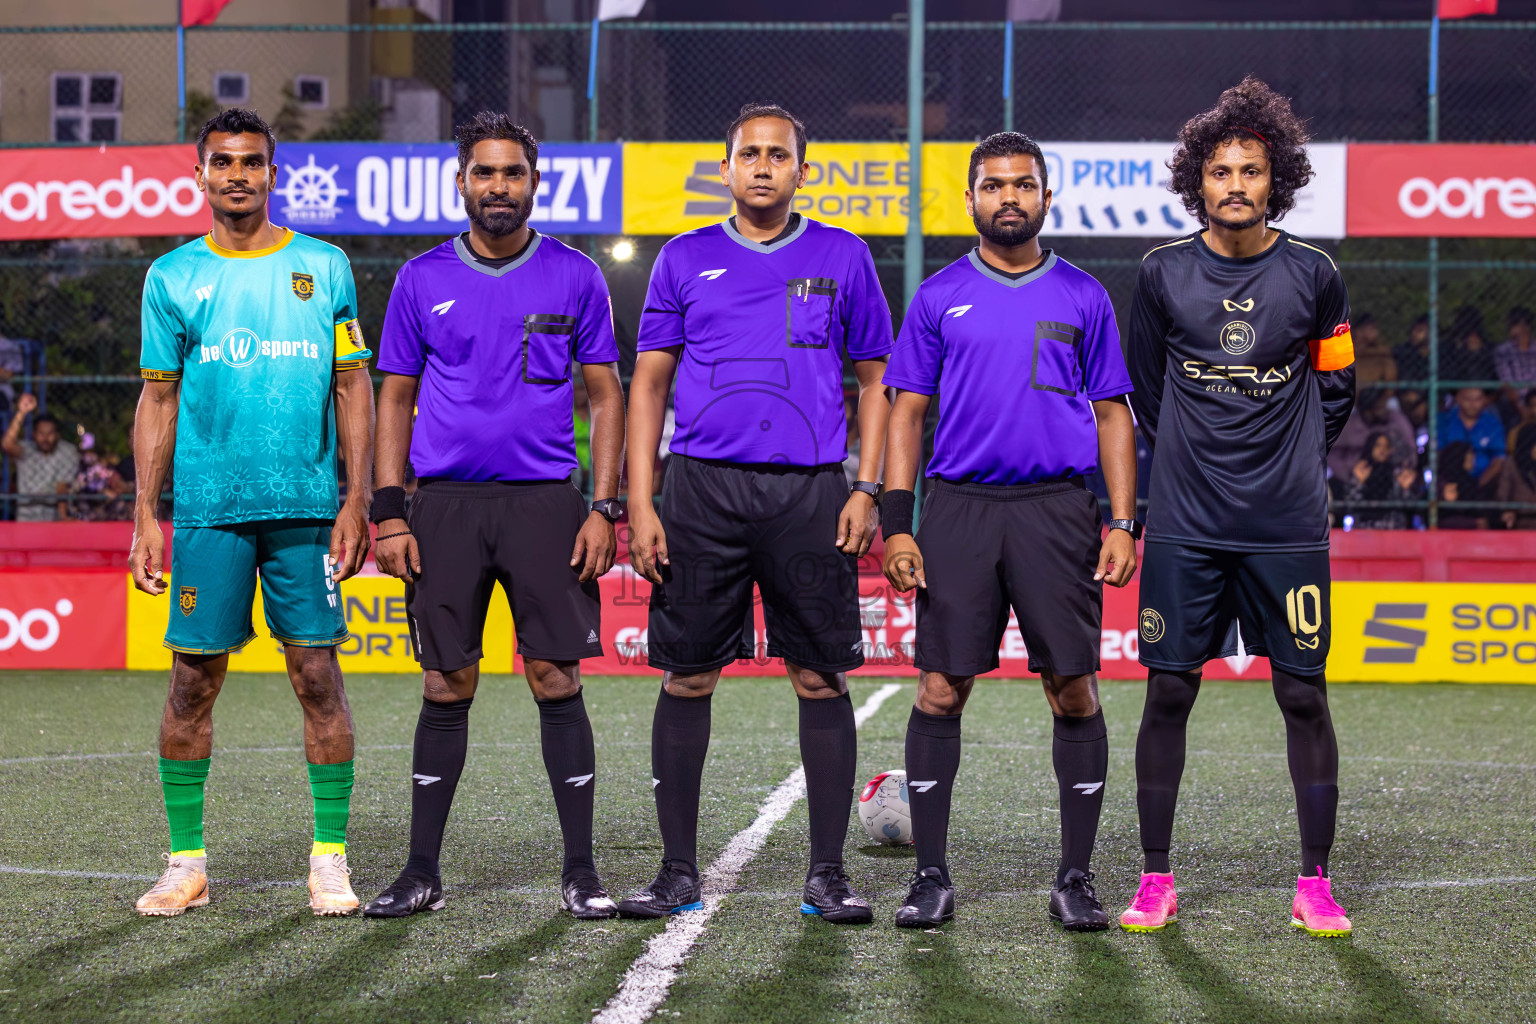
187	600
1238	337
303	285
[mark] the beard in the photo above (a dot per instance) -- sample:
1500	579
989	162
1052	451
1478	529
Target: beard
1009	233
1240	218
494	218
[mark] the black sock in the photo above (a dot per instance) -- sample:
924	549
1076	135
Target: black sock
679	742
1080	753
1313	753
565	733
442	740
1160	760
933	760
829	750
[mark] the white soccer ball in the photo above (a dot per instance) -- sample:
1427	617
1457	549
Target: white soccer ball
885	809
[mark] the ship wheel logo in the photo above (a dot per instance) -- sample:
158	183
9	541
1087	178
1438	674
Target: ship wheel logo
310	192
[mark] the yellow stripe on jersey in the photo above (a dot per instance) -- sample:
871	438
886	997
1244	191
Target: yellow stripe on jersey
350	347
1304	245
1334	352
237	254
1177	241
149	374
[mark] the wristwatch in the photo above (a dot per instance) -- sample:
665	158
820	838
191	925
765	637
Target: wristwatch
873	490
608	508
1130	526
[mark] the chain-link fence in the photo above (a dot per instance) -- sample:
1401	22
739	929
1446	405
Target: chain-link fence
69	310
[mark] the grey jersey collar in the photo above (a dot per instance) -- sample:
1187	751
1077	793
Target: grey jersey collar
474	264
740	239
1034	275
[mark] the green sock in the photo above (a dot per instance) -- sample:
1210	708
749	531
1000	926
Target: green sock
182	782
331	786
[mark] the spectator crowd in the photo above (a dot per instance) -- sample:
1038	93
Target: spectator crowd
1485	429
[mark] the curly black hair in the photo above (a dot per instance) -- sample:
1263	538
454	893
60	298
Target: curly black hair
1250	109
494	124
235	121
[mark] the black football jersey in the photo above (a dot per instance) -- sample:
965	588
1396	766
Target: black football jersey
1244	374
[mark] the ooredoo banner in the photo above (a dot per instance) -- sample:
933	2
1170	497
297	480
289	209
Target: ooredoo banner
62	620
100	193
1424	189
334	188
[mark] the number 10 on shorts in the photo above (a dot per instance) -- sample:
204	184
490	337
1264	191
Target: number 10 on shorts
1304	610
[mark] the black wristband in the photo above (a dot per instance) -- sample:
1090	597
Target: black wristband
896	509
388	503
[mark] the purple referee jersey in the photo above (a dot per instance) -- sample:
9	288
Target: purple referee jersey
493	349
763	330
1018	362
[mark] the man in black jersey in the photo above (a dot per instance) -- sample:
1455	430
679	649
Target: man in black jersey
1242	359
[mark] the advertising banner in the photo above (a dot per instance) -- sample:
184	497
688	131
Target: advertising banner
378	640
62	620
889	620
1382	631
1451	190
1413	632
671	187
100	193
1099	189
336	188
376	188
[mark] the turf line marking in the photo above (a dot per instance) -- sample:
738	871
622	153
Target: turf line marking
649	978
8	869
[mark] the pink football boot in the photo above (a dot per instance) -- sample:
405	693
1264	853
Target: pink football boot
1155	905
1315	911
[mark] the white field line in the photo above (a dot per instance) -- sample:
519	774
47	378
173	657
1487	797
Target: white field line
650	977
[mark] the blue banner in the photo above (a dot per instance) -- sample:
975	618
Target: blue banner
387	188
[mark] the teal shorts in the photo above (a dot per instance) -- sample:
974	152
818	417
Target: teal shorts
213	586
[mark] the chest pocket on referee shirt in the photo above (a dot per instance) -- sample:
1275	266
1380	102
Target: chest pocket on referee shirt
547	347
808	319
1055	365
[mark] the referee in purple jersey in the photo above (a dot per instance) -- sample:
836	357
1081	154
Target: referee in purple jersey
479	339
1023	347
754	317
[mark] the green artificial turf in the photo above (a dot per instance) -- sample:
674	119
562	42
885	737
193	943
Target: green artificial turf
1435	862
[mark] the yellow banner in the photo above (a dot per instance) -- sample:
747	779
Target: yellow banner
671	187
378	639
1433	632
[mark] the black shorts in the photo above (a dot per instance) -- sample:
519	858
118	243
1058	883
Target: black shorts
730	526
473	535
1034	546
1195	600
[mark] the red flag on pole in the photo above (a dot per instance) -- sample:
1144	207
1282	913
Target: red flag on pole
201	12
1465	8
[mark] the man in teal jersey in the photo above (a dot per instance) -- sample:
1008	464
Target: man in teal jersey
249	332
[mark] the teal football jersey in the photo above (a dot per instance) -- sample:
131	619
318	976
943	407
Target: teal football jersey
256	339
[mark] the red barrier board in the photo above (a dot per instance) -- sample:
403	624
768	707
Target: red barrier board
106	192
1424	189
63	620
890	626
